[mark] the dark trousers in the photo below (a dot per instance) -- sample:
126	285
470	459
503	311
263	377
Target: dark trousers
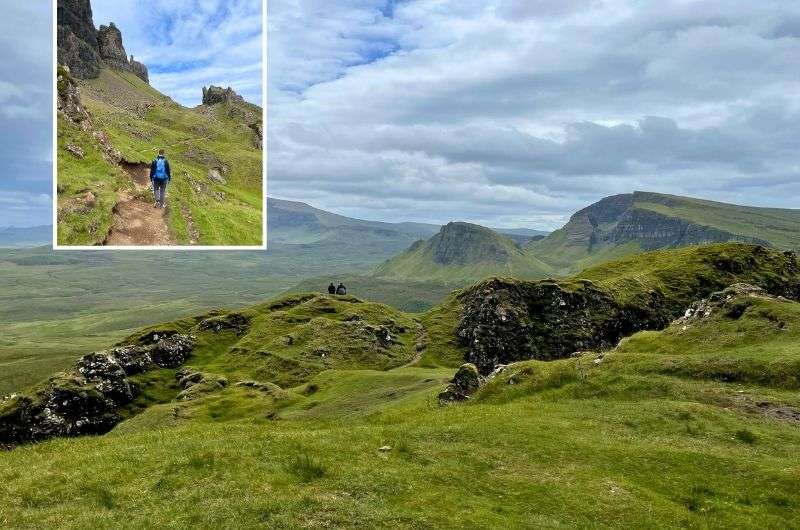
160	190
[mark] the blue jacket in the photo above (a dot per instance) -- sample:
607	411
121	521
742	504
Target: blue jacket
153	168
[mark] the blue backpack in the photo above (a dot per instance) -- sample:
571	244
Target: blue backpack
161	168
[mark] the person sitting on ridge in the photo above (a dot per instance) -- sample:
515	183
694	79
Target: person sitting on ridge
331	289
341	290
160	175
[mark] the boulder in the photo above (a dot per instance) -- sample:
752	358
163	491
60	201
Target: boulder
76	151
465	383
215	175
171	352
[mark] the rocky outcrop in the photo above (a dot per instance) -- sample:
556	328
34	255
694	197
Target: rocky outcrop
466	382
236	322
87	399
196	384
504	321
214	95
77	39
112	51
140	70
109	41
258	128
68	98
724	302
86	50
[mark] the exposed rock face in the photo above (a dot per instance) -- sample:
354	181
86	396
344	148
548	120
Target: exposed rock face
258	128
505	321
112	51
648	220
140	70
68	98
84	49
109	41
214	95
86	400
77	39
653	230
465	383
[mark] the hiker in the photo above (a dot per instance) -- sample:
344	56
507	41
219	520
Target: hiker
341	290
331	289
160	175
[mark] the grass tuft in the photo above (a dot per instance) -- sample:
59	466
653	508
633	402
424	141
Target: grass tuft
306	468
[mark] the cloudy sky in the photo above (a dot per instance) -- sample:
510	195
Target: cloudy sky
188	44
518	112
504	112
26	174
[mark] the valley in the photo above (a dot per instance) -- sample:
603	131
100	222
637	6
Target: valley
312	410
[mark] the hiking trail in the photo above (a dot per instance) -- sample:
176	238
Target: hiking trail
136	221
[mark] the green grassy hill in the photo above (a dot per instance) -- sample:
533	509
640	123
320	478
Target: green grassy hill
622	225
692	426
461	253
215	196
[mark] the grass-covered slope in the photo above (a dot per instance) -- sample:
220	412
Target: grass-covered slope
505	320
461	253
635	437
623	225
215	196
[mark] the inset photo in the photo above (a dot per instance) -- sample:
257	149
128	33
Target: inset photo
159	124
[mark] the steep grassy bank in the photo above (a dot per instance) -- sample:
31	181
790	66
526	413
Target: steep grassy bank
215	196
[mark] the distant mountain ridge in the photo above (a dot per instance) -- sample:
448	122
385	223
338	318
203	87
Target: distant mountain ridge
630	223
29	236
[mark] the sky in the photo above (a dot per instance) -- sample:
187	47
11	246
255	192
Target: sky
26	174
505	112
519	112
189	44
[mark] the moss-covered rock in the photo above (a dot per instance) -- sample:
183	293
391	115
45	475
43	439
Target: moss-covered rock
466	382
87	399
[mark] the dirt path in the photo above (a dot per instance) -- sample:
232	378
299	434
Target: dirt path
419	347
138	222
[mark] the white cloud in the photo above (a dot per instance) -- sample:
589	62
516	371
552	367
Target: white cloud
188	44
519	111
